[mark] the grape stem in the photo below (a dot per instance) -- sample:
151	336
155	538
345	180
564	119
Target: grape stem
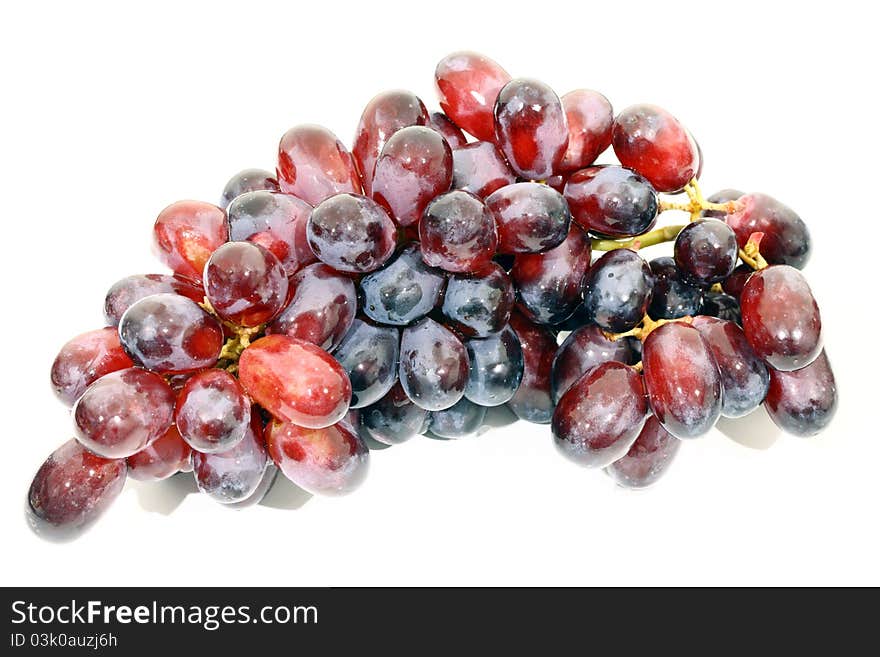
645	327
657	236
697	203
751	252
234	346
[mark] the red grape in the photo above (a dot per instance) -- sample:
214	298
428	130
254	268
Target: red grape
235	474
610	200
648	459
84	360
313	165
480	169
433	365
451	132
589	117
457	233
803	402
185	235
734	284
131	289
581	351
165	457
786	238
531	218
706	252
212	411
532	401
248	180
468	85
617	290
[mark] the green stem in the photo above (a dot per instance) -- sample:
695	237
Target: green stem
657	236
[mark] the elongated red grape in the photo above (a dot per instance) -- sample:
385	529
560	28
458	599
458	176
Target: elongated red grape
394	418
329	461
682	379
414	166
433	365
480	169
457	233
651	141
295	381
131	289
212	411
550	283
648	459
479	304
351	233
611	200
468	85
463	419
786	238
531	218
744	377
597	420
321	308
245	283
803	402
123	412
706	252
234	474
185	235
589	117
314	165
581	351
170	334
247	180
384	115
446	127
84	360
369	355
617	290
72	489
496	368
530	128
780	318
532	401
276	222
163	458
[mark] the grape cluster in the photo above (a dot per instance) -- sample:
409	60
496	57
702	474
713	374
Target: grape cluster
411	283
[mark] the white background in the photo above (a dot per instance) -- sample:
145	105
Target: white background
109	113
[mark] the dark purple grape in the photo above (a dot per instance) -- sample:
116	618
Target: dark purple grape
446	127
617	290
212	411
722	306
723	196
433	365
480	169
403	291
479	304
786	238
532	401
463	419
369	355
131	289
600	416
672	296
648	459
803	402
613	201
457	233
170	334
531	217
549	284
744	377
233	475
496	368
682	379
734	284
394	418
706	252
321	309
581	351
351	233
248	180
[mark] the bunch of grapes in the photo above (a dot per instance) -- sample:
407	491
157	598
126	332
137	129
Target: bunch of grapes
411	283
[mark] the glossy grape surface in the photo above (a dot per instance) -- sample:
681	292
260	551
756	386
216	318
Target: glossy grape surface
617	290
123	412
780	318
433	365
706	252
85	359
321	309
597	420
611	200
530	128
581	351
316	396
415	166
163	458
125	292
672	297
245	283
468	85
654	143
496	368
383	116
276	222
589	116
549	284
480	169
532	401
457	233
531	218
463	419
479	304
247	180
369	355
682	380
233	475
314	165
804	402
170	334
72	488
351	233
212	411
722	306
734	284
786	238
744	377
329	461
185	235
403	291
723	196
648	459
394	418
447	128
